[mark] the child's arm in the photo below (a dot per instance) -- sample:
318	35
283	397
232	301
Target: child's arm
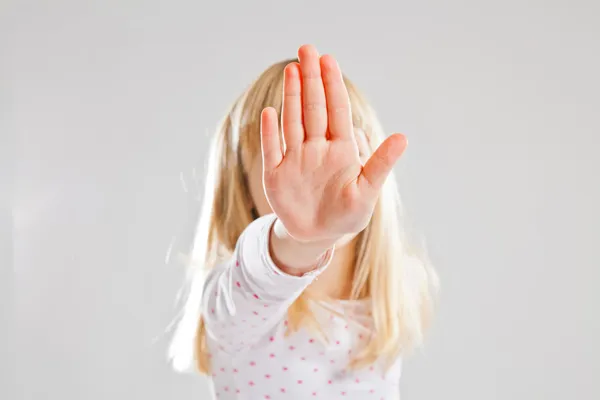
318	189
246	297
292	256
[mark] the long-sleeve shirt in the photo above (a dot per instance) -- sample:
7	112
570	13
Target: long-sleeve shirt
245	306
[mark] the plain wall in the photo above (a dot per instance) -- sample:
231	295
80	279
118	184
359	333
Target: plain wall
111	105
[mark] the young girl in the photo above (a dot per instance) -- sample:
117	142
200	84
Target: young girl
310	290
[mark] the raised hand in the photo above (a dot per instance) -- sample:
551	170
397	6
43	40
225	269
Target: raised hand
317	186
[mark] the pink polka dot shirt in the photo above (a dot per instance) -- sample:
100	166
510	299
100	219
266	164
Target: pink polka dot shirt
245	306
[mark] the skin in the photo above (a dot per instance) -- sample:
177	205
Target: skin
321	191
340	269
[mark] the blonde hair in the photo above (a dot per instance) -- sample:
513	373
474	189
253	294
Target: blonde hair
399	284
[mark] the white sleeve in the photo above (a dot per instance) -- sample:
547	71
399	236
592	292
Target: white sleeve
244	298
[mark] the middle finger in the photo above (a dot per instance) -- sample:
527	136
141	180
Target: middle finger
313	94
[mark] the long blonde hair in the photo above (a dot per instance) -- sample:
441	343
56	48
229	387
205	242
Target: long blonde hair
399	283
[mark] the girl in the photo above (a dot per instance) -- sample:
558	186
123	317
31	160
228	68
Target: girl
311	290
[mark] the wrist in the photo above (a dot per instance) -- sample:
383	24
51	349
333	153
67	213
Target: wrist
293	256
280	231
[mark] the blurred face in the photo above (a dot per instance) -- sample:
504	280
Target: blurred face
255	183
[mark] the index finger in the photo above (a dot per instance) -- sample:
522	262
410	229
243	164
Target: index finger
339	114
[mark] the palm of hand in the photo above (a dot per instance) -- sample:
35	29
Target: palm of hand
319	189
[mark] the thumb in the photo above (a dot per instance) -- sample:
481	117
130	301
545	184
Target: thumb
381	163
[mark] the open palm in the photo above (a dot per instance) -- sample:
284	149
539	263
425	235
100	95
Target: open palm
317	186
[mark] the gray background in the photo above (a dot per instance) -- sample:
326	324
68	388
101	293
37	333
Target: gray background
106	111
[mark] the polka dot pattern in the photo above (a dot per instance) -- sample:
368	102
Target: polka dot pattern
251	355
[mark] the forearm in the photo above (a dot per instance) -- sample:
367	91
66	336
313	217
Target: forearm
247	295
292	256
